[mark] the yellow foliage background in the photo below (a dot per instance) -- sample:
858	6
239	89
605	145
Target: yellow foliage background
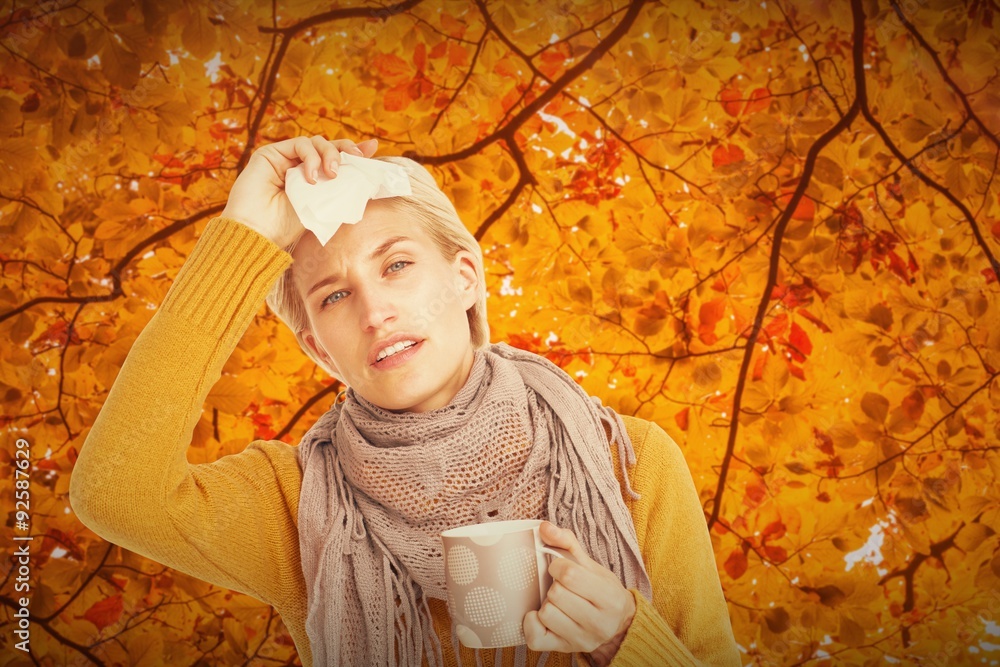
771	227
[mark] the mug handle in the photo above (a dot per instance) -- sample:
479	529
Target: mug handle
557	552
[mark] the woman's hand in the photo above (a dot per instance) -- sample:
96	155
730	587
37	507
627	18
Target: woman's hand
257	198
587	608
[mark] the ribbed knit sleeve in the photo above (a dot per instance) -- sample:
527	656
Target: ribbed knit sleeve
688	621
230	522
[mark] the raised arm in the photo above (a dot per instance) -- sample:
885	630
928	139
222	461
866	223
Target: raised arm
231	522
132	484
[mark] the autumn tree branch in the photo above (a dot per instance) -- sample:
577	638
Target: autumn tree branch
47	626
858	39
962	96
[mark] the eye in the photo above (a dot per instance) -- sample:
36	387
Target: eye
401	264
332	298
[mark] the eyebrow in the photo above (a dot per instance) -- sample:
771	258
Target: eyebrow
382	249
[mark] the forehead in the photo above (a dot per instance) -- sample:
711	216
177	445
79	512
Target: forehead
353	243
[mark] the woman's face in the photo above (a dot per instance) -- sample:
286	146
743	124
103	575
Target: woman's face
387	311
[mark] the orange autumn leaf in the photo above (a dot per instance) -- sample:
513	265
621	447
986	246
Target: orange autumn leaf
736	564
47	464
913	405
774	530
799	339
397	98
776	553
439	50
420	56
804	210
393	69
777	325
726	155
760	99
732	101
506	68
681	418
710	313
105	612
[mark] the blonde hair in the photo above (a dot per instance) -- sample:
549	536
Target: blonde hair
430	207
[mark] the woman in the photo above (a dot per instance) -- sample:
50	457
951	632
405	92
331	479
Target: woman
437	428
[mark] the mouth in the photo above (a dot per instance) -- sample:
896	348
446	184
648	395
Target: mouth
397	354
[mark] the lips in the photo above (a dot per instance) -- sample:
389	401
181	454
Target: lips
388	343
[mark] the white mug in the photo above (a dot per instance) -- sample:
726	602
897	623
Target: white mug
496	573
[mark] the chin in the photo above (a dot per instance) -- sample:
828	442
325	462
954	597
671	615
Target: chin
395	401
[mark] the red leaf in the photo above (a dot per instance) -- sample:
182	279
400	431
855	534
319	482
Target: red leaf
800	339
712	311
796	371
217	130
776	554
736	564
169	161
758	367
732	101
708	316
755	492
760	99
31	103
458	55
440	49
724	155
683	419
777	325
105	612
897	266
420	56
815	320
913	405
804	210
996	229
393	68
824	442
775	529
990	274
397	98
506	69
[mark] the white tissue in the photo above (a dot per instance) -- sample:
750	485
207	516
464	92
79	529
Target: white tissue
324	206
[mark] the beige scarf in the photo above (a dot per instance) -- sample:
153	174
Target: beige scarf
520	440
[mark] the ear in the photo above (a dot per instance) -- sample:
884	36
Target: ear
466	279
318	350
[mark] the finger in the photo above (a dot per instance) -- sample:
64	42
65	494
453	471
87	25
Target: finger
306	152
281	156
329	155
564	538
368	147
562	628
348	146
540	638
582	611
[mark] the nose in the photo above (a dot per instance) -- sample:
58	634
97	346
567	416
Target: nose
377	307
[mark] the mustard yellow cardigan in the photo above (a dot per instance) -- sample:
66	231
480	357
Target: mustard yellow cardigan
233	522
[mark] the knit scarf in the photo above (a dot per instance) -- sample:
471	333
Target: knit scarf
520	440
